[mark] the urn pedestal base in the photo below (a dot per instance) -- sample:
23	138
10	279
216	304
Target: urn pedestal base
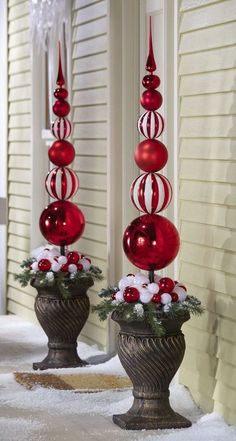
151	415
150	362
62	319
60	357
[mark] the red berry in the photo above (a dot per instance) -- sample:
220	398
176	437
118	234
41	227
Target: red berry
80	267
44	265
156	298
174	297
64	268
131	295
166	284
73	257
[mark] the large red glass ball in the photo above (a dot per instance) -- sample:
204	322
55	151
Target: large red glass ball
61	108
151	242
61	153
62	223
60	93
151	81
151	99
151	155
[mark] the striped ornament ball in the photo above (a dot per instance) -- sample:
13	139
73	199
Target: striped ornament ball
151	124
61	183
151	193
61	128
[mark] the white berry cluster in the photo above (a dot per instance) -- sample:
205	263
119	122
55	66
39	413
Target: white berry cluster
50	260
137	288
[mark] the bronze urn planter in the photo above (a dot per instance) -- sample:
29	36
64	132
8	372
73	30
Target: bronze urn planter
150	362
62	319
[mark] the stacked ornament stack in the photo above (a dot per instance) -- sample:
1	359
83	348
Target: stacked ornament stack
151	242
62	222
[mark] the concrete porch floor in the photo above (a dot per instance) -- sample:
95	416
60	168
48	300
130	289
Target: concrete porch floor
53	415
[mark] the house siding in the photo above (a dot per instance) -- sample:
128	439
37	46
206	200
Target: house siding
207	74
19	300
89	101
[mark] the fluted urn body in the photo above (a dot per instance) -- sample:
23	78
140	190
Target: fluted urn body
62	319
150	362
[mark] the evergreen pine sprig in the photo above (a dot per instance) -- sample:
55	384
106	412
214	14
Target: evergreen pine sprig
151	313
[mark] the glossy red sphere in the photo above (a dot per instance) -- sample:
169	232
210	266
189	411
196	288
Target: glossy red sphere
61	108
61	153
44	265
151	99
62	223
174	297
60	93
156	298
151	155
151	81
64	268
151	242
79	267
166	284
73	257
131	295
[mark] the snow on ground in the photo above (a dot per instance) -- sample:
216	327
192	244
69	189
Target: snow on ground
55	415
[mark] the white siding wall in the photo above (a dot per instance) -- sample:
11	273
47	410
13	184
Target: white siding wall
89	100
207	70
19	300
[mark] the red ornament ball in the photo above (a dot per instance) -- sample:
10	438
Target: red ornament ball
44	265
113	296
151	155
73	257
61	108
156	298
60	93
166	284
61	153
151	99
80	267
62	223
64	268
131	295
151	242
151	193
174	297
62	183
151	81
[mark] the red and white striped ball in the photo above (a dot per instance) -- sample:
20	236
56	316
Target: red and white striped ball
61	128
151	193
151	124
61	183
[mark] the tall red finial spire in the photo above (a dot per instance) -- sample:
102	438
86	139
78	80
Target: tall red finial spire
150	64
60	76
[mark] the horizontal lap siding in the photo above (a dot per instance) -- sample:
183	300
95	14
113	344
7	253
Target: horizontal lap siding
19	300
89	99
207	73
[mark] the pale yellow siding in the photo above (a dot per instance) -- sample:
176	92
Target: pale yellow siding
207	73
19	300
89	100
